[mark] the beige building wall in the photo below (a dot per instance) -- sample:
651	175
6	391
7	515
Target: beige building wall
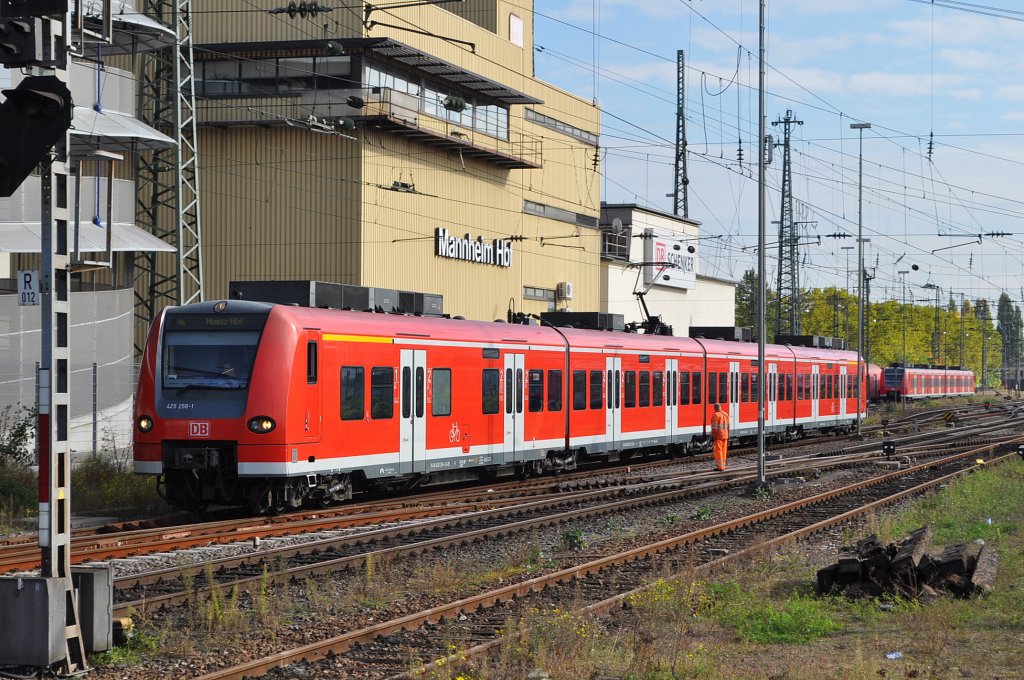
280	201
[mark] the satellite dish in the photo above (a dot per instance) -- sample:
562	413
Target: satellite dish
617	225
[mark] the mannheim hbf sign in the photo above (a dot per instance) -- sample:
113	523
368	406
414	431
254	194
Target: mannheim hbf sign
497	252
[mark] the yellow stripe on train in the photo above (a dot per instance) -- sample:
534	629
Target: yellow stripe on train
335	337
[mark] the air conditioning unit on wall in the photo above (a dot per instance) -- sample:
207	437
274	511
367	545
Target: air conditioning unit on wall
564	290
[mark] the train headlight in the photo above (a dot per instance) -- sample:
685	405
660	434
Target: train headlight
261	424
145	423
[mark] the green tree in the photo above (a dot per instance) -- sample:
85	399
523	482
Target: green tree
746	304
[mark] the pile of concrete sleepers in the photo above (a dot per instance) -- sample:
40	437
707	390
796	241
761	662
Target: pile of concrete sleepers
906	569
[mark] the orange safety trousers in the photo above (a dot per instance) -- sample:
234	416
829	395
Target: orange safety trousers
721	449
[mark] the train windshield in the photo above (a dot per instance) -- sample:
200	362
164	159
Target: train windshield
220	360
893	377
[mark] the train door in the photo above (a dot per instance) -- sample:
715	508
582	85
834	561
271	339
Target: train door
815	391
514	440
671	397
412	452
613	405
313	405
734	395
842	391
772	378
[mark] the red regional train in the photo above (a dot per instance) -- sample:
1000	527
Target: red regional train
270	406
921	382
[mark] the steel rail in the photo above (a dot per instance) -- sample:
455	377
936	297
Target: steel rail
320	650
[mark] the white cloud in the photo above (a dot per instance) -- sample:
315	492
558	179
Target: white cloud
1013	93
972	59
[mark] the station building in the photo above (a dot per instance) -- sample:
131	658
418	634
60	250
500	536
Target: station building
407	148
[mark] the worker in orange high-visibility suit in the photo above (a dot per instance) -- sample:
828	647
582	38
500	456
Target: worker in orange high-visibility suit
720	436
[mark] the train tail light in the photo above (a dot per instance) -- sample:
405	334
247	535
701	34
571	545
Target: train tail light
261	424
145	423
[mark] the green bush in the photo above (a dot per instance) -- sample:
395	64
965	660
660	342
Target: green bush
100	484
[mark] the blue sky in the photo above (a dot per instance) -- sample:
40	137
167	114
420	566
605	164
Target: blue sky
907	68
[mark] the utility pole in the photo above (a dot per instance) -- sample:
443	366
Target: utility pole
860	127
788	309
167	187
680	200
963	331
35	117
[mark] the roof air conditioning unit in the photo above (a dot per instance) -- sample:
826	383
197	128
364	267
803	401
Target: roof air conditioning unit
564	290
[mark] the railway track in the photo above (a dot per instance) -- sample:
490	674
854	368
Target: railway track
420	641
176	585
95	545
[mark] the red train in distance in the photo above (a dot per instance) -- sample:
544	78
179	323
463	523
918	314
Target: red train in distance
272	406
901	381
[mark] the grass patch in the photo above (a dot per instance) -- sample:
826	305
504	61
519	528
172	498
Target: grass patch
139	648
760	620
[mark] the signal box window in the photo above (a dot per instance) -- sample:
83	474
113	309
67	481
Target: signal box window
554	390
353	392
441	380
658	388
579	390
630	387
491	390
536	390
596	389
382	392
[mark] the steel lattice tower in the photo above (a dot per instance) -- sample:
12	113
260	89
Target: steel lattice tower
788	309
167	189
680	201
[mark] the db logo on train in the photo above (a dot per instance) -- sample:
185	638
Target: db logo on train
198	428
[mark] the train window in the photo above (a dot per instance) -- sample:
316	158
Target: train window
630	389
657	389
684	387
789	387
508	390
421	391
712	388
745	387
491	389
554	390
536	390
696	387
311	366
382	392
519	390
406	392
670	389
441	392
645	388
579	390
618	379
723	386
353	389
754	382
597	389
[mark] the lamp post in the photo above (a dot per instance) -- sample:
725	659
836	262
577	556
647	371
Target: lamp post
903	281
846	304
860	127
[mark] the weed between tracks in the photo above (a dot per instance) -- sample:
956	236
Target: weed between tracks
762	620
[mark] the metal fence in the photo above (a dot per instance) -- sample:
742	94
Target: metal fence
102	365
